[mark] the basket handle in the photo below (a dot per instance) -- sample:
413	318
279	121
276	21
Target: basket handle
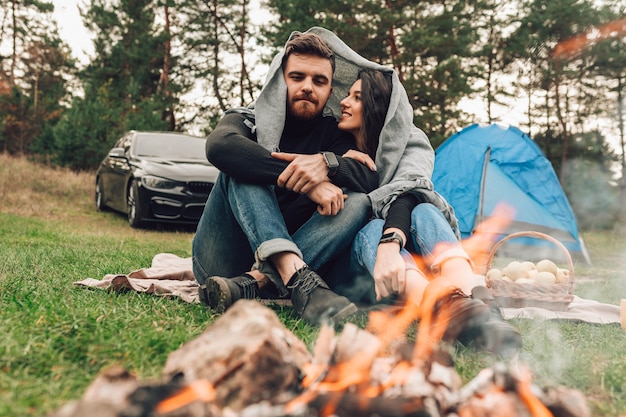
537	235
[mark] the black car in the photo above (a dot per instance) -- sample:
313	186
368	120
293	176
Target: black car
156	177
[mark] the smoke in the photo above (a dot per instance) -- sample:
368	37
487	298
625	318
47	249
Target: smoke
593	194
546	350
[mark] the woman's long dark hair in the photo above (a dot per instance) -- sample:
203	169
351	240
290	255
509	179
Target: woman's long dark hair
375	98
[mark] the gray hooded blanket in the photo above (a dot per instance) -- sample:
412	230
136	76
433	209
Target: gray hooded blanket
404	158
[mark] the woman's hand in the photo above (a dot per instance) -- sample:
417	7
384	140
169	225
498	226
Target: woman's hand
389	271
362	157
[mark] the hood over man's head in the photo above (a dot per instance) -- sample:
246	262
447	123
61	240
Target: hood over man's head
308	44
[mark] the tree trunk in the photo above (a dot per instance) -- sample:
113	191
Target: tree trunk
564	129
393	47
164	81
14	51
216	60
620	120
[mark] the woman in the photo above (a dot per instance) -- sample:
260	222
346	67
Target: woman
390	262
412	224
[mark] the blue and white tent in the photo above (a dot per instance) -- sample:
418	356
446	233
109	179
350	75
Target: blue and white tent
485	165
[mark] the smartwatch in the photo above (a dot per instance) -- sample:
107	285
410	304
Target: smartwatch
391	237
331	162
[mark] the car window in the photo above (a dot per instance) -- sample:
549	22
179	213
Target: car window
122	142
177	147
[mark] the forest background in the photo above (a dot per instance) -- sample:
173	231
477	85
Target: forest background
179	64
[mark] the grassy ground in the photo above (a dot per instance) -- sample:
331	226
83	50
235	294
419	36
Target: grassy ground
55	337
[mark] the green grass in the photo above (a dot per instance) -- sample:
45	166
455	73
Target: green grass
56	337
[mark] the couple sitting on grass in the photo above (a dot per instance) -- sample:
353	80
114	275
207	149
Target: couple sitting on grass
330	213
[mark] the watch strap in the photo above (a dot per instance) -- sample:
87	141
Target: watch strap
391	237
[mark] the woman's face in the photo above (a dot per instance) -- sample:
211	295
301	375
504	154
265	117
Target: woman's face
352	110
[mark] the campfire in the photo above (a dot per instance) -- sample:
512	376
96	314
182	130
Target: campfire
248	364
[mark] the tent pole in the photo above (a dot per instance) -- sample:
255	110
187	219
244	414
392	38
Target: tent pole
480	216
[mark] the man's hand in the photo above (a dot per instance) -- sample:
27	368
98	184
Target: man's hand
329	198
303	172
389	271
362	157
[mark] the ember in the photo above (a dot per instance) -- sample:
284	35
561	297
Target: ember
248	364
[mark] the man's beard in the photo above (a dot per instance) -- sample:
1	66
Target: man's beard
303	110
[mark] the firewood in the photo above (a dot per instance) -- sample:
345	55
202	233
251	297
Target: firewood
248	354
565	402
494	404
355	405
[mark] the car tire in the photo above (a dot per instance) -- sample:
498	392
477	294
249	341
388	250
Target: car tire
134	206
99	196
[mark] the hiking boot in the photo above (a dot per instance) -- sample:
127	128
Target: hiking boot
314	301
498	336
483	294
220	293
466	316
474	322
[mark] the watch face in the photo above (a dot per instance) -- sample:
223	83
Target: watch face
331	160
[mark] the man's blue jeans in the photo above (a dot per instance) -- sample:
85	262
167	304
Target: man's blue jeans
242	225
429	229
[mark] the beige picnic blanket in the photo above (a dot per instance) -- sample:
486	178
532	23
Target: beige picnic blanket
171	275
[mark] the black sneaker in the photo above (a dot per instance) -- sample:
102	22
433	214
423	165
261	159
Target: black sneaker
220	293
314	301
466	316
498	336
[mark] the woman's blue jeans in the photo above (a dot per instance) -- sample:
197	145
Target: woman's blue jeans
429	229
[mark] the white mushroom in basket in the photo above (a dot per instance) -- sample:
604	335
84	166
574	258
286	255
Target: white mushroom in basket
546	265
562	276
493	274
515	270
529	266
545	277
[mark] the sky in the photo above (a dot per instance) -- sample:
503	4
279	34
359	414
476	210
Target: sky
72	30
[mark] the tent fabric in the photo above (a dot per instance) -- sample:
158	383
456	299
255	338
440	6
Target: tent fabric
485	165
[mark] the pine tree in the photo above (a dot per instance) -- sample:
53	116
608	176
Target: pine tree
33	76
123	82
217	39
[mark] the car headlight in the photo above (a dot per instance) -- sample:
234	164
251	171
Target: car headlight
150	181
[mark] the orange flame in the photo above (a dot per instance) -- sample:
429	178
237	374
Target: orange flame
200	390
571	47
392	324
535	406
482	240
431	329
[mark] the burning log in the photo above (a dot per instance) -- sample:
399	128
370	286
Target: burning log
248	355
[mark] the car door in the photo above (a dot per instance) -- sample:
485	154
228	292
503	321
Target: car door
119	170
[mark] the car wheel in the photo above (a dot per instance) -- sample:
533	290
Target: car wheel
134	206
100	196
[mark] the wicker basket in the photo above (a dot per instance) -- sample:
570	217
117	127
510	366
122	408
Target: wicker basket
555	297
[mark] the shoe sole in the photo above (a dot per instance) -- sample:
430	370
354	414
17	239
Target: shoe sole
218	293
344	313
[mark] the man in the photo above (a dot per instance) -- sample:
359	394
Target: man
285	212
